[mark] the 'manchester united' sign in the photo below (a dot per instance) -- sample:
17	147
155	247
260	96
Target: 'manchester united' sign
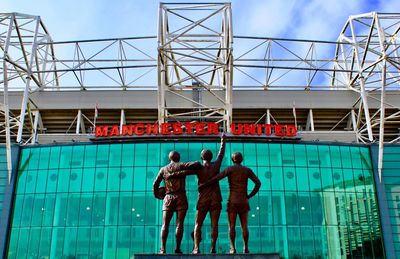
198	128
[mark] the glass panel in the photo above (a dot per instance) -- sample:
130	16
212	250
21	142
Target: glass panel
288	158
301	155
249	154
289	175
346	157
83	242
13	245
55	158
45	242
78	155
44	157
324	156
275	154
128	154
75	180
141	155
103	153
90	156
262	154
115	155
139	180
88	179
277	178
96	242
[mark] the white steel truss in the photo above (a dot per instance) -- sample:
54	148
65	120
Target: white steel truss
195	54
20	36
371	53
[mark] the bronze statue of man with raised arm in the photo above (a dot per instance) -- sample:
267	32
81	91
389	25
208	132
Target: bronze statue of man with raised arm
209	198
238	201
174	198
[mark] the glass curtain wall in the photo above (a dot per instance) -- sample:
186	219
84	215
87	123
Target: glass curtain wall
391	178
96	201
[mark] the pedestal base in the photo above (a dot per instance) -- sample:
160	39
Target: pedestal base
204	256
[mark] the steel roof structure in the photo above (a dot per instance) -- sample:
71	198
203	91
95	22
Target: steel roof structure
195	69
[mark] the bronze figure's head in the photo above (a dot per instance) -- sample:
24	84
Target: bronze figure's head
206	155
237	157
174	156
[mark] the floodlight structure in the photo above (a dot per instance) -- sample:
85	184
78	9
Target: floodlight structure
20	36
371	59
195	61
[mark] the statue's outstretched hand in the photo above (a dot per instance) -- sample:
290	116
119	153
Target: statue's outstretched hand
223	137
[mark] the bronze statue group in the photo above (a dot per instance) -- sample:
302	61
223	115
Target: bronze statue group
209	199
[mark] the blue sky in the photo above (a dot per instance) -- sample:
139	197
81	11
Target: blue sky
92	19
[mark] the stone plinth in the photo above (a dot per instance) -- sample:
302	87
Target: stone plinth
205	256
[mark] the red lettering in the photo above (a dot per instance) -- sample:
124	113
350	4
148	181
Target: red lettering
102	131
291	130
237	131
189	127
151	129
267	128
259	129
114	131
127	130
177	128
212	128
249	129
139	129
166	128
200	128
279	131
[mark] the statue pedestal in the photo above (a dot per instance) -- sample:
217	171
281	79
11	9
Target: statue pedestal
205	256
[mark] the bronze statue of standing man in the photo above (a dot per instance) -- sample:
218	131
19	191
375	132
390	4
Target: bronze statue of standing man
238	201
209	198
175	199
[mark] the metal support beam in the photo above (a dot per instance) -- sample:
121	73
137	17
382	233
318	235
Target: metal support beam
122	121
6	106
25	99
268	117
35	126
353	119
78	122
310	121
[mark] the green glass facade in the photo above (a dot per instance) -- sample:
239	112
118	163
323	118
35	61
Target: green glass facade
96	201
391	179
3	175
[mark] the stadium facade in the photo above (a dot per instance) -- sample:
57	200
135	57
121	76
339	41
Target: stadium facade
88	124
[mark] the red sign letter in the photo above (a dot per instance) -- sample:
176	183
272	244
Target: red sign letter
291	130
127	130
102	131
166	128
200	128
139	129
114	131
279	131
151	129
177	128
189	128
212	128
237	131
